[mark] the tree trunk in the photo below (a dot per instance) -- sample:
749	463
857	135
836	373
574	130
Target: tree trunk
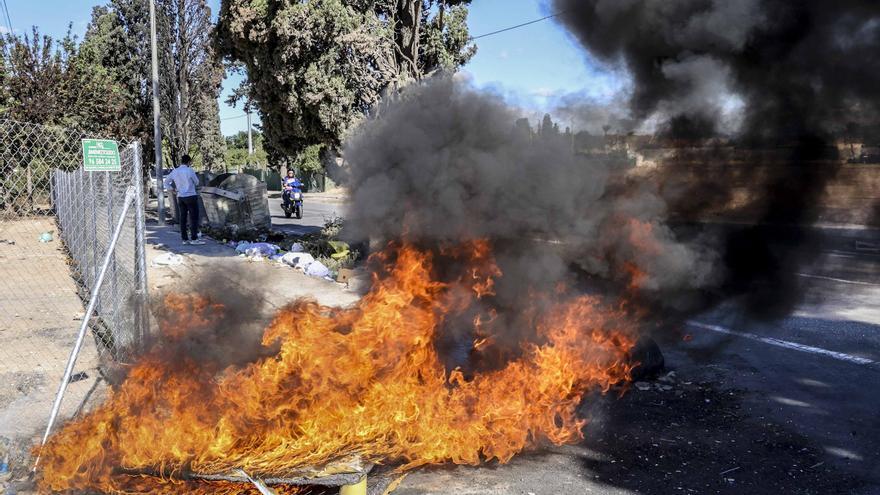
407	28
183	72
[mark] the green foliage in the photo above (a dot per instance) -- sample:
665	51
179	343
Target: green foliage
117	39
101	85
309	159
236	155
315	68
56	83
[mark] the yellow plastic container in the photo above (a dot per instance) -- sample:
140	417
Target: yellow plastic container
357	489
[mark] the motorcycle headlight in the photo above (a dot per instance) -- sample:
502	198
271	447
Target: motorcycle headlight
297	195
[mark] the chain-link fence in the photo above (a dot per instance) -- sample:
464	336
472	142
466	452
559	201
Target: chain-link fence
56	224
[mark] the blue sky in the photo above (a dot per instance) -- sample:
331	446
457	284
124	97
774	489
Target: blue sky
529	66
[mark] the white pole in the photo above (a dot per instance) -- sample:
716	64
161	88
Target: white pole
250	139
157	131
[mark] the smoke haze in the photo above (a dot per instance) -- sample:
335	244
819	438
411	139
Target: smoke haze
447	164
747	98
781	79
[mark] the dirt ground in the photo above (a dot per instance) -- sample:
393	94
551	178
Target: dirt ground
40	314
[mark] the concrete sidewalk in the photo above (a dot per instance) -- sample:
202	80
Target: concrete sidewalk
279	284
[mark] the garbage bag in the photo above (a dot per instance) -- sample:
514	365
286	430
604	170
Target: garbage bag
317	269
298	260
257	249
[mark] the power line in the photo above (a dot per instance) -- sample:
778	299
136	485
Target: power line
8	19
9	27
236	117
516	27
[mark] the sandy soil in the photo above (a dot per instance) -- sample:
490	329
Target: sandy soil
40	314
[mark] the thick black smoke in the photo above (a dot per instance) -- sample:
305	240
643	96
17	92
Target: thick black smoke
446	164
780	78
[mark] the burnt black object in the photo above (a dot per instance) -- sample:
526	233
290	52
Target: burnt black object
650	360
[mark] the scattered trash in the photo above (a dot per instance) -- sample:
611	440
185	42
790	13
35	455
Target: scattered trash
167	259
7	241
47	237
344	275
668	377
297	248
78	377
300	261
5	472
257	249
643	386
816	465
317	269
341	249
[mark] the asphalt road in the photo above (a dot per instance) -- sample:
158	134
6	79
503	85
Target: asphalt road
315	213
790	406
816	371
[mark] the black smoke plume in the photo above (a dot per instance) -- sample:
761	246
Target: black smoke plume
780	79
447	164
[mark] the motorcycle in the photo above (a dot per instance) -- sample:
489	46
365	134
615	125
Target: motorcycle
292	200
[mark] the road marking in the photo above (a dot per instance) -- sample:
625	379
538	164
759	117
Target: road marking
842	280
786	344
841	254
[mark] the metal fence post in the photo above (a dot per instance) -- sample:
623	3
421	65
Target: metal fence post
114	295
142	317
94	228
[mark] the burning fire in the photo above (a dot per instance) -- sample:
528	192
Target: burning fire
364	380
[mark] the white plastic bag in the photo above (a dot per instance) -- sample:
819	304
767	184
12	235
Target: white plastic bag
167	259
317	269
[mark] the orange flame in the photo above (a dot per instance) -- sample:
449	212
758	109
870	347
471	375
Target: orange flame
365	380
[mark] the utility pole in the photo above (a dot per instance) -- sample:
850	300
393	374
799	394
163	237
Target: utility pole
250	139
251	145
157	131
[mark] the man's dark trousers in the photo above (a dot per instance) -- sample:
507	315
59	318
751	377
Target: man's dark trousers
189	209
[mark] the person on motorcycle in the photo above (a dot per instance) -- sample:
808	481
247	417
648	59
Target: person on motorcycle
290	183
291	201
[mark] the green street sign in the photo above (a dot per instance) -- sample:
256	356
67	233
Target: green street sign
101	155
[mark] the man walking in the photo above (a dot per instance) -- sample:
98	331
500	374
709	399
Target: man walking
186	181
